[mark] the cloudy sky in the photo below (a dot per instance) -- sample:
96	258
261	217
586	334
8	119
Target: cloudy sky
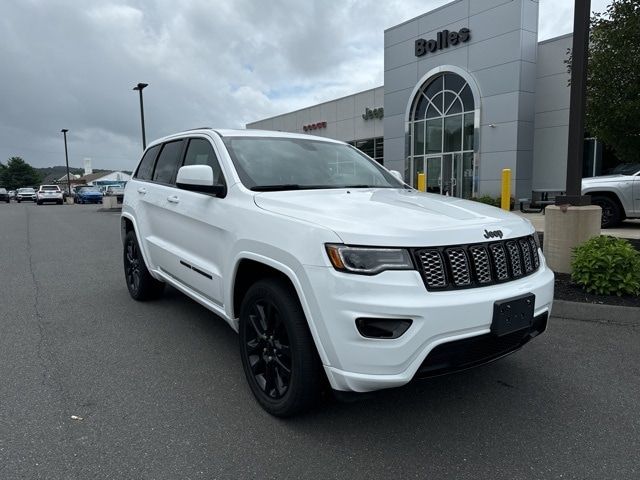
222	63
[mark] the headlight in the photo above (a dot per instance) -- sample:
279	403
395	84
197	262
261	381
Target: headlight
368	261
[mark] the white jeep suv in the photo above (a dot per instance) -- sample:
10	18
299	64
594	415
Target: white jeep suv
327	265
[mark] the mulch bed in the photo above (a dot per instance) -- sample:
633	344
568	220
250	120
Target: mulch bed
567	290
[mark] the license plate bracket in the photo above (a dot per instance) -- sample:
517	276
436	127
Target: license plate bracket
513	314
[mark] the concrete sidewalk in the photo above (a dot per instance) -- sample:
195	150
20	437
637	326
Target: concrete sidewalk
628	228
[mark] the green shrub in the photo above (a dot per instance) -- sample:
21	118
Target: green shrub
488	199
607	265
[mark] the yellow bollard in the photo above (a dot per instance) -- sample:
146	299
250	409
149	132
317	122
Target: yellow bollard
505	199
422	182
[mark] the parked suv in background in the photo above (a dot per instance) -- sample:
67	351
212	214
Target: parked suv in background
25	194
618	195
49	194
4	195
328	265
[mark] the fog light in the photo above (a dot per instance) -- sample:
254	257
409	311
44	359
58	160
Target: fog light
383	327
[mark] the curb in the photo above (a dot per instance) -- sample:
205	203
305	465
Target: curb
593	312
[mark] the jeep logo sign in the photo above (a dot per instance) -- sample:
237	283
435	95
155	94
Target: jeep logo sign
443	40
373	113
493	234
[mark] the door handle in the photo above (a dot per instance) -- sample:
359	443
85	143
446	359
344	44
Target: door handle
173	199
142	190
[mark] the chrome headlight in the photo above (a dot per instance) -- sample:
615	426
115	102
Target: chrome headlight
368	261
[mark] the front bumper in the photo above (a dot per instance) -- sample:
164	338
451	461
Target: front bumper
356	363
91	199
26	198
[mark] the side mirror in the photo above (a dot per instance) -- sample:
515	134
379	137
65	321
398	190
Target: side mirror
199	178
397	174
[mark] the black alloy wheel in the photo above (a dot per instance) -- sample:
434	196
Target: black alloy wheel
268	349
132	265
140	283
278	354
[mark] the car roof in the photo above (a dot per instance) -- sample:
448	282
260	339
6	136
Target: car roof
244	133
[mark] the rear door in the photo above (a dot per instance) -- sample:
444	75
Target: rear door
198	227
138	188
158	197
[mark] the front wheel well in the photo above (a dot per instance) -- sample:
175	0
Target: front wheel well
248	273
611	195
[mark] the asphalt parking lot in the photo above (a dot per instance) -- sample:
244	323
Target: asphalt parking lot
95	385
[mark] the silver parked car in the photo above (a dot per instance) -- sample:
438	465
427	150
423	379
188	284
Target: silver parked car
618	195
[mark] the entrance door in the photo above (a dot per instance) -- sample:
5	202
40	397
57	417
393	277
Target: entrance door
434	174
449	175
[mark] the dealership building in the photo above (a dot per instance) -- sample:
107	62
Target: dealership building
468	91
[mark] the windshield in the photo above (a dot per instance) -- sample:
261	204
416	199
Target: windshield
26	190
49	187
266	163
89	189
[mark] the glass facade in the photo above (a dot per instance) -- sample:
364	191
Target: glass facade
372	147
441	127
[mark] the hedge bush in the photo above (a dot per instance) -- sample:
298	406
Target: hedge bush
607	265
487	199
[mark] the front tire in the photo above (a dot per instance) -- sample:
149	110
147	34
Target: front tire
611	213
142	286
278	354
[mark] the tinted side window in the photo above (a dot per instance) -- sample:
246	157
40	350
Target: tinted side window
146	165
167	162
200	152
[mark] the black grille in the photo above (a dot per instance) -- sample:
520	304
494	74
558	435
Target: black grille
466	266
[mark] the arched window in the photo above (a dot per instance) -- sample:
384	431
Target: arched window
441	125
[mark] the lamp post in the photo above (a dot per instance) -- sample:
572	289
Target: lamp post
66	157
577	106
573	220
139	87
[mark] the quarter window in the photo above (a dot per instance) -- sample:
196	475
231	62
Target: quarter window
167	162
145	169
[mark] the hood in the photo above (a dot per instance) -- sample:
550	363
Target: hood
601	179
394	217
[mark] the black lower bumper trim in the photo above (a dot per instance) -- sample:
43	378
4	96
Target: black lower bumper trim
471	352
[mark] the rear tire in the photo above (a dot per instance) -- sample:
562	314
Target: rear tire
142	286
611	212
278	353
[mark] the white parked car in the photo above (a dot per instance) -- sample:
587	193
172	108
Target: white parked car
25	194
327	265
618	194
49	194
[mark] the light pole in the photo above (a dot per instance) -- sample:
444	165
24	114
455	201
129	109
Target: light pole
66	157
577	106
140	87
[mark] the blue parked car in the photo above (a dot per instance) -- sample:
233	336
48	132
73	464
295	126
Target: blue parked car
88	194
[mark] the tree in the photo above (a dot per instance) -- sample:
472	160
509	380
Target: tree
18	173
613	84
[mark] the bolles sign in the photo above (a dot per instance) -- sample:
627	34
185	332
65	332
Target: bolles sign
443	40
314	126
